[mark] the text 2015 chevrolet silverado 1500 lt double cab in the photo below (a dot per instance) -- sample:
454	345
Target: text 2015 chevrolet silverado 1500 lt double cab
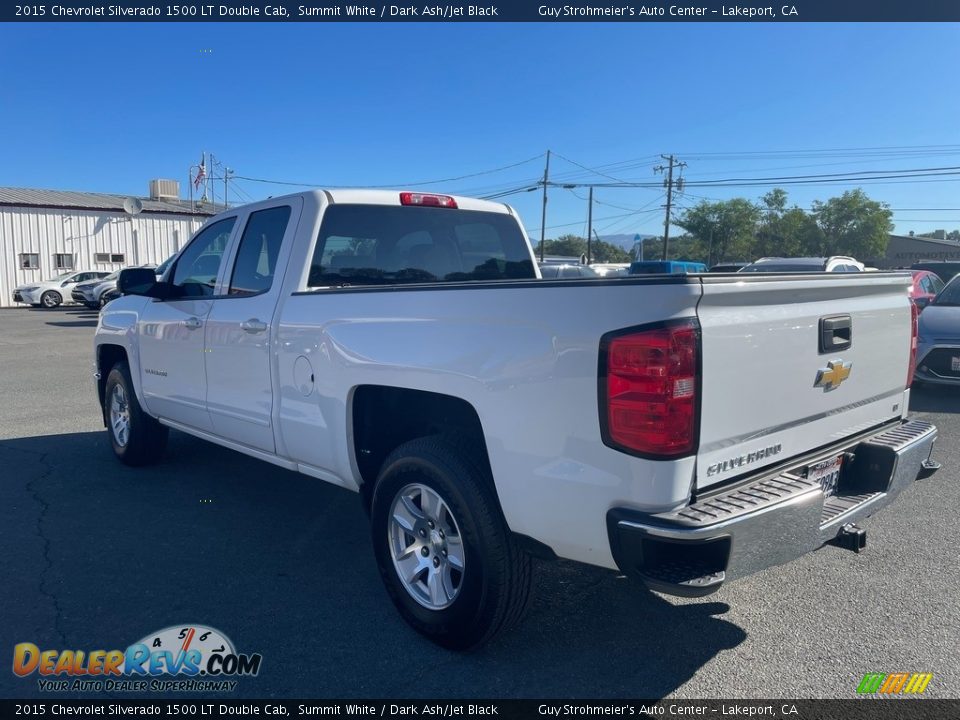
688	430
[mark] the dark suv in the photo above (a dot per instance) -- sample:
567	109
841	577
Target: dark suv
946	269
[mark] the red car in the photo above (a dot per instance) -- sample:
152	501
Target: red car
926	285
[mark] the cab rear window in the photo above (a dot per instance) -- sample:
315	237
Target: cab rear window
388	245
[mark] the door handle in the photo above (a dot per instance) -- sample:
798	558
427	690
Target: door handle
192	323
253	326
836	333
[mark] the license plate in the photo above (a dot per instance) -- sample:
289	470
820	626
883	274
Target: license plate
827	473
955	364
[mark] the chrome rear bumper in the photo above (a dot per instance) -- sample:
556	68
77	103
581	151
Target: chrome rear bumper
767	521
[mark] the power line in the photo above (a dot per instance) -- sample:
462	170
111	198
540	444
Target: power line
864	151
952	168
592	170
393	185
833	179
609	217
514	191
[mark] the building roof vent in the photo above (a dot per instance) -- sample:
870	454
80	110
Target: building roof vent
164	189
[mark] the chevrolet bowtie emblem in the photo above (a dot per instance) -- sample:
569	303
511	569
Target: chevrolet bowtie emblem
831	376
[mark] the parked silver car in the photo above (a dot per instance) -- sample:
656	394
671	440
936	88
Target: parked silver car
109	291
938	342
90	293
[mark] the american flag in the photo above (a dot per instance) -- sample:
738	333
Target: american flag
201	173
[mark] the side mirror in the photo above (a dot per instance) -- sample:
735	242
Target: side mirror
922	302
138	281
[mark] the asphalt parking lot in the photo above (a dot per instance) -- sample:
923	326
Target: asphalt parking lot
97	555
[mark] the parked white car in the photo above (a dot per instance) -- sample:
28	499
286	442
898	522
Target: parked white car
836	263
611	269
51	293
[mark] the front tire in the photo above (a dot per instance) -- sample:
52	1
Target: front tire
136	438
445	554
51	299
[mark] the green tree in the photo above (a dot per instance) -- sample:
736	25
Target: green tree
568	245
726	228
575	246
853	224
783	231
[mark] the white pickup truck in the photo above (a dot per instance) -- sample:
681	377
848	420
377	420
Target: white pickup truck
688	430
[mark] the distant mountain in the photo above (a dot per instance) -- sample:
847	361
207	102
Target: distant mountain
624	240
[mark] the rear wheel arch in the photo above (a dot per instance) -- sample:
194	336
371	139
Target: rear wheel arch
385	417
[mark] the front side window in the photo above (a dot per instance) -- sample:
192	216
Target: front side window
29	261
195	274
256	261
389	245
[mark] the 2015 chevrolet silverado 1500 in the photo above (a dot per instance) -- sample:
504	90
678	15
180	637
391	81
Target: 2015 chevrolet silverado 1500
686	429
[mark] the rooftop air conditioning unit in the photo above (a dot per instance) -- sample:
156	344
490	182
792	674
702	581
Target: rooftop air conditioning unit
164	190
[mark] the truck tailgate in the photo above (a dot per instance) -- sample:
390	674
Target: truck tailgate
773	387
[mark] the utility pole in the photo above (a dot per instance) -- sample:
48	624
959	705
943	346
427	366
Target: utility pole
589	223
227	172
672	162
543	217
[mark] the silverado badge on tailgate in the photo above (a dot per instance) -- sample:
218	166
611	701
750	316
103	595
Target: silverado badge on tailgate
831	376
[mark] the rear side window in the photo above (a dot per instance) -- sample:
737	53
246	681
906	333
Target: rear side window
256	262
389	245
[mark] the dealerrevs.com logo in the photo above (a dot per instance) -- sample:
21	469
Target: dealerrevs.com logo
178	658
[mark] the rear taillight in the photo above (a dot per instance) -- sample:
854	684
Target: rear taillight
649	389
427	200
914	333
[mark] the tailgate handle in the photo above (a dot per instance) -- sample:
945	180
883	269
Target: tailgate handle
836	333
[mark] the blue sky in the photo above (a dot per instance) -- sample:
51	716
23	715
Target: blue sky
105	107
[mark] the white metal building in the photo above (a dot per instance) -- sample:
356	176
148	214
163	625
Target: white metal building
44	233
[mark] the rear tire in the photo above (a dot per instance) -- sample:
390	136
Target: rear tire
445	554
136	438
51	299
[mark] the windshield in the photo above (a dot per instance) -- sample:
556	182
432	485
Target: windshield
62	276
950	295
